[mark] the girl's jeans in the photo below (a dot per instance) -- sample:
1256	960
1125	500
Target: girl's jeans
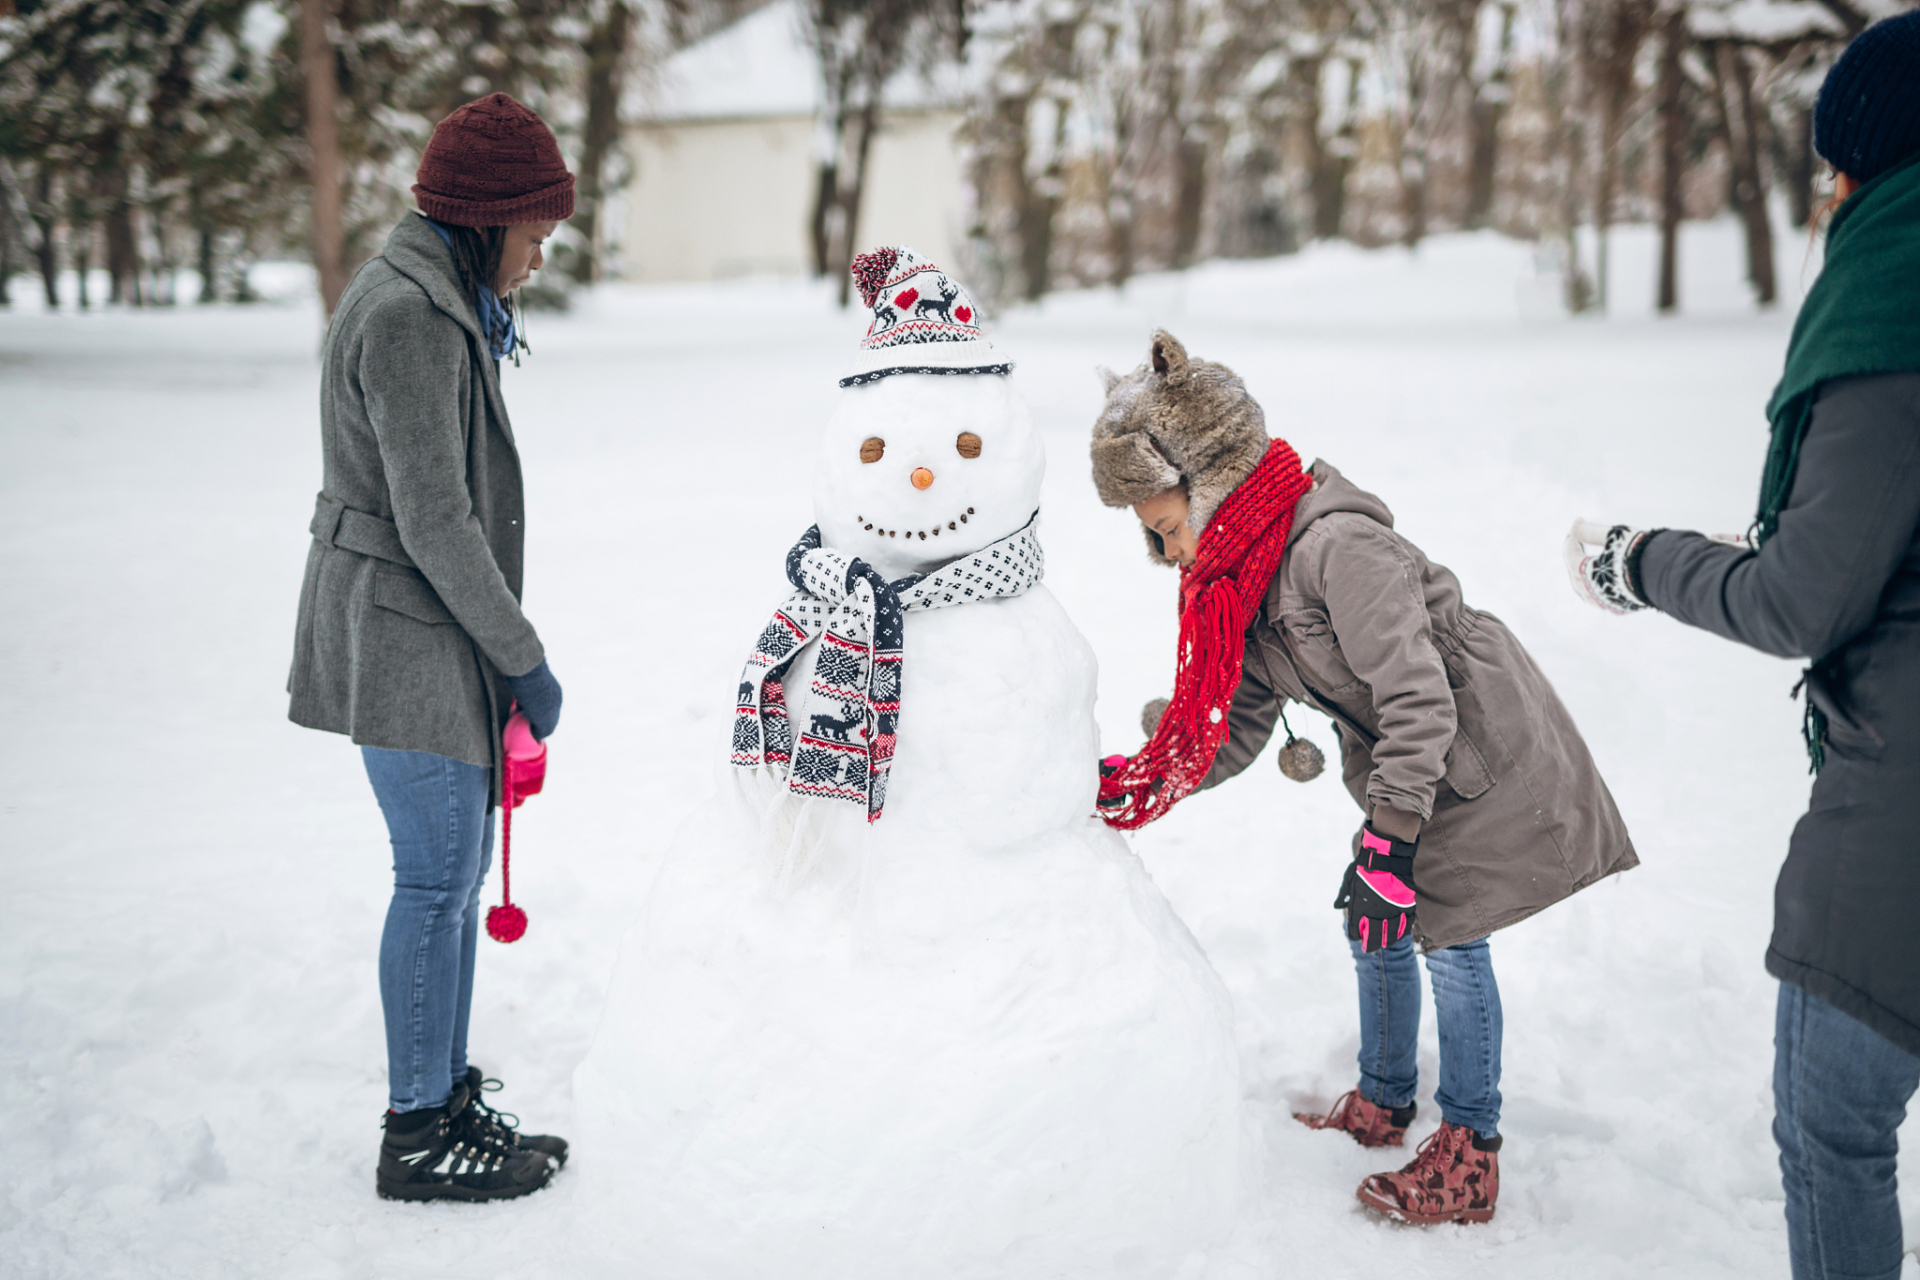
1840	1091
442	832
1466	1007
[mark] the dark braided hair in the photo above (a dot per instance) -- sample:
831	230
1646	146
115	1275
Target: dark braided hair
476	256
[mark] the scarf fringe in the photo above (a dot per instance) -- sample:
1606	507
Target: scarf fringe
801	833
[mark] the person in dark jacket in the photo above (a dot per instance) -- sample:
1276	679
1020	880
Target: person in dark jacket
410	638
1481	804
1831	572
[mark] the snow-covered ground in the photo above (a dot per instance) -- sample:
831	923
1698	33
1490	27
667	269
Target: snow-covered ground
191	1065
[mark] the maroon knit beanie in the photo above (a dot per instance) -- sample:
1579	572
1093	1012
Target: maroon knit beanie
493	163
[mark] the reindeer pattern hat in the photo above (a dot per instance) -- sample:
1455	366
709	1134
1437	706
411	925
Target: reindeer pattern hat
923	321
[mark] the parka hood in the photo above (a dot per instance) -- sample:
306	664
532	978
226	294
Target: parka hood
1333	492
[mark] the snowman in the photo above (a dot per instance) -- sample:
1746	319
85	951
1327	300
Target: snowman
897	1003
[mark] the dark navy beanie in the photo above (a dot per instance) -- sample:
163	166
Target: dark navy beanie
1867	118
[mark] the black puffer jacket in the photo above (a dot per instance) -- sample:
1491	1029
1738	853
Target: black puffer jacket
1839	581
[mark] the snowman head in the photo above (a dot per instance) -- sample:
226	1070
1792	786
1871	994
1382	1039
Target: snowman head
931	454
919	469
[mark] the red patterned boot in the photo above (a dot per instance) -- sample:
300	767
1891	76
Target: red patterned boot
1454	1178
1370	1125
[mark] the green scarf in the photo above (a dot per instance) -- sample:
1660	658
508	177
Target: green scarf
1862	315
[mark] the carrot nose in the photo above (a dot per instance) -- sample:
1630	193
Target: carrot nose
922	478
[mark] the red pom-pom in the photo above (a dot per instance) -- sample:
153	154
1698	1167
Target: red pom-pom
506	924
870	271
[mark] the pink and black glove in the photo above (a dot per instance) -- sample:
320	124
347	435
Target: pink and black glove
1110	765
1378	892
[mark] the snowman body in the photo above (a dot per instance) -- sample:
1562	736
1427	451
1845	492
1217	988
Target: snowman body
968	1039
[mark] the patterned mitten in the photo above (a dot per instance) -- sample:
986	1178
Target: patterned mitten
1378	893
1609	577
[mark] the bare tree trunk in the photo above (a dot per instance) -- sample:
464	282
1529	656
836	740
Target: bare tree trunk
1759	225
1303	92
123	253
1673	153
209	268
80	242
1413	188
1801	167
1035	203
606	57
1579	289
1732	78
1120	212
319	65
47	252
867	123
1489	109
1336	162
12	238
1190	159
820	225
1605	169
162	282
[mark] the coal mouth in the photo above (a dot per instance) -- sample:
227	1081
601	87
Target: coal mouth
910	534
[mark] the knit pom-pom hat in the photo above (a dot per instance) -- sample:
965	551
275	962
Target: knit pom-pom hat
1176	420
923	321
1867	118
493	163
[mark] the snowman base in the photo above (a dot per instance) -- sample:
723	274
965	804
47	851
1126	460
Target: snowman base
945	1062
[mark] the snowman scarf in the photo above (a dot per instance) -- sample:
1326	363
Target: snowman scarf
846	749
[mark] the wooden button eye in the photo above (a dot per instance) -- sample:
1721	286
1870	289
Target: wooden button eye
968	444
872	449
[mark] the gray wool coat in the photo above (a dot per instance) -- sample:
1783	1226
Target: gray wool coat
1440	713
1839	581
409	616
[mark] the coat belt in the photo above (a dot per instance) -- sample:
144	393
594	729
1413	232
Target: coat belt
336	524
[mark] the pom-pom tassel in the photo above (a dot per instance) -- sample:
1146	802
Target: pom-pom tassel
506	922
1299	759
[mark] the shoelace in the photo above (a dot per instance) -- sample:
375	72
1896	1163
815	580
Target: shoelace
1342	1107
1439	1149
501	1122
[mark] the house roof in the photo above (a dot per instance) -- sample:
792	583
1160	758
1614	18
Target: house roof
760	67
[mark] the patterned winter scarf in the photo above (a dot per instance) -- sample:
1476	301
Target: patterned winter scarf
846	750
1220	595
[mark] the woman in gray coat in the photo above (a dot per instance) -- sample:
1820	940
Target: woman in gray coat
410	637
1832	573
1481	803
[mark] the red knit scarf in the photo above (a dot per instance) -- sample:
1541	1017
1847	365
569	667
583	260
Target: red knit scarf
1220	594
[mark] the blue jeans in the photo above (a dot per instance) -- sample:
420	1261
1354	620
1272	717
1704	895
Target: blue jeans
1466	1007
1840	1091
442	833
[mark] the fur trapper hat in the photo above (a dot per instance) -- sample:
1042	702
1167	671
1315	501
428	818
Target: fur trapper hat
1176	419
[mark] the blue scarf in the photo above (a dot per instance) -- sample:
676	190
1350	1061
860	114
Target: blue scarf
496	323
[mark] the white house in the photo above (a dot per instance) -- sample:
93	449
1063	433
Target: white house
723	150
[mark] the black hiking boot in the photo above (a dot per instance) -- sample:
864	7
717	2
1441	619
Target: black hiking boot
454	1153
507	1123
